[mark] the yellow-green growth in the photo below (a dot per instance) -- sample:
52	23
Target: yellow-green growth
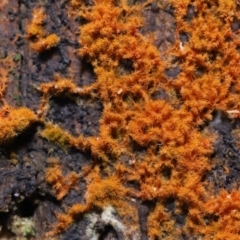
55	134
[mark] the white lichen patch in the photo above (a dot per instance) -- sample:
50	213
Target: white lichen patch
107	217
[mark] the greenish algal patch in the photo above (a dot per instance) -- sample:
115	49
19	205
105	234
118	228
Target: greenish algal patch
17	57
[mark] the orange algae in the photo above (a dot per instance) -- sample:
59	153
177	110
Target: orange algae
13	121
3	84
159	221
40	40
225	207
212	48
101	192
168	131
61	184
34	29
59	86
45	43
5	65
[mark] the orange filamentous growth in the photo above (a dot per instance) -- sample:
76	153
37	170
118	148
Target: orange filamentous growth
209	60
59	86
158	222
45	43
61	184
157	144
225	207
40	41
3	83
14	121
100	193
35	29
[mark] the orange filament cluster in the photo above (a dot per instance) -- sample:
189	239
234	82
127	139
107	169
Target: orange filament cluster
14	121
62	184
167	129
174	153
35	31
